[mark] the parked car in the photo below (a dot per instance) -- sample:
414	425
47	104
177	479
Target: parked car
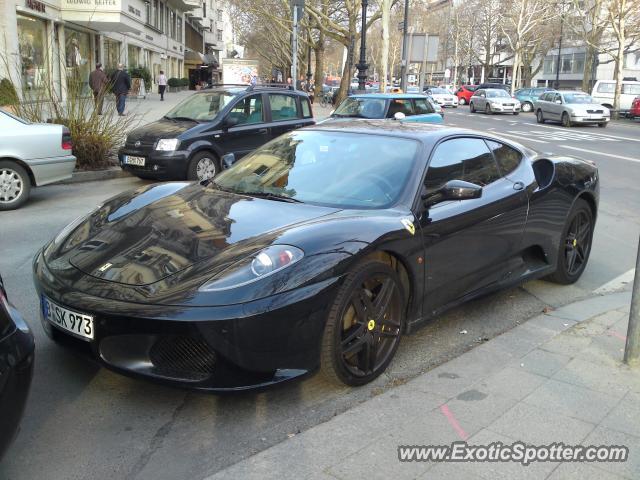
415	108
571	108
493	100
464	93
190	141
502	86
31	155
308	253
437	108
16	369
528	96
443	96
634	112
604	91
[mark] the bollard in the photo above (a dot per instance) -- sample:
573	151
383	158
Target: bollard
632	346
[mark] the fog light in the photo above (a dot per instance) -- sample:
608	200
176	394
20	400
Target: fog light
155	167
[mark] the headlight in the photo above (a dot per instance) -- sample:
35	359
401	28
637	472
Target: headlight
266	262
167	144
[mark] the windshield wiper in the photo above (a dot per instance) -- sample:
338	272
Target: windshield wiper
272	196
182	118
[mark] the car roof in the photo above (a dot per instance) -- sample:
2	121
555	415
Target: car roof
388	95
239	89
578	92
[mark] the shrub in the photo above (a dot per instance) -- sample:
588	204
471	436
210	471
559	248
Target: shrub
8	95
173	82
184	82
141	72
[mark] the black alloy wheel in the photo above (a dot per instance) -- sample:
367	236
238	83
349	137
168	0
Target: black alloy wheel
575	246
364	325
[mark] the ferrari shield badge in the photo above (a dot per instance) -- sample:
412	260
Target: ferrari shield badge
408	224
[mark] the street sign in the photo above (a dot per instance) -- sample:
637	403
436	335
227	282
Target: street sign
299	6
423	47
447	73
411	78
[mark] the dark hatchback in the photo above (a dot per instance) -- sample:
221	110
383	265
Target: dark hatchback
190	141
16	369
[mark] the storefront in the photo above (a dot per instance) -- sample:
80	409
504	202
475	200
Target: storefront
79	58
112	53
33	48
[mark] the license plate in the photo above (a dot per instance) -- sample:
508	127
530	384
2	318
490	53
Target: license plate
138	161
79	324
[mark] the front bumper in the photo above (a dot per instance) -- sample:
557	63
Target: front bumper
589	119
224	348
16	371
158	164
505	108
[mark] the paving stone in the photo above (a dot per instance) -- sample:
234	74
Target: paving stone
516	381
541	362
540	426
591	307
480	407
515	343
605	436
450	471
551	322
625	417
567	344
573	401
581	471
609	318
602	378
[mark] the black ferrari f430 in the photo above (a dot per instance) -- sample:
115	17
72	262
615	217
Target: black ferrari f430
317	251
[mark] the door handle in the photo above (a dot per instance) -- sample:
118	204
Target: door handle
263	130
518	186
297	125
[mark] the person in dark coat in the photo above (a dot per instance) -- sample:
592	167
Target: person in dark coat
121	86
98	82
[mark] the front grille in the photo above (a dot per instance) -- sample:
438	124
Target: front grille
182	357
507	104
595	111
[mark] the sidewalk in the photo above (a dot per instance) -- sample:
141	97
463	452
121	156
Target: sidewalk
556	378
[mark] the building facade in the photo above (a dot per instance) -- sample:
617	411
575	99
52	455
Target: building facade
46	41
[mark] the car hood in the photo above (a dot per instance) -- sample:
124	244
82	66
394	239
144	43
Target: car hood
443	96
503	100
163	128
142	237
583	107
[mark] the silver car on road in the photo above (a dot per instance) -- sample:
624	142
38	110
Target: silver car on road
570	108
493	100
31	155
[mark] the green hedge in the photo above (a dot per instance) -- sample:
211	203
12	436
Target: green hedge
178	82
8	95
141	72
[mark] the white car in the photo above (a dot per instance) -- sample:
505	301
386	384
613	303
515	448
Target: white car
443	97
31	155
604	92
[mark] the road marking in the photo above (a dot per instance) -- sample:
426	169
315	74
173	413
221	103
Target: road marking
594	133
520	137
617	283
593	152
559	136
453	422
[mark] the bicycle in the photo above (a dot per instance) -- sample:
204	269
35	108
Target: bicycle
326	99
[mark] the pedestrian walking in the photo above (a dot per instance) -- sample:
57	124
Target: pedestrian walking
162	84
121	86
98	82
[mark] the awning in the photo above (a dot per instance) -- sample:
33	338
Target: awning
211	61
193	57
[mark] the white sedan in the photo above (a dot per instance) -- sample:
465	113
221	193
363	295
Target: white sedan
443	97
31	155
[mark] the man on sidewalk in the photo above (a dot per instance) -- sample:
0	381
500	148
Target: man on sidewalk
162	85
98	82
121	86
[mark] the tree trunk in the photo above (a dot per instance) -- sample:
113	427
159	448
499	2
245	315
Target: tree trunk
319	69
386	13
589	59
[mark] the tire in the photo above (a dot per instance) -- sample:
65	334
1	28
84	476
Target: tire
203	166
487	109
462	101
575	243
472	109
365	338
539	117
15	185
603	125
527	107
516	113
566	121
323	101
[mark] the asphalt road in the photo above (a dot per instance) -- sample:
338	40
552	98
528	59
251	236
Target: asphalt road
83	422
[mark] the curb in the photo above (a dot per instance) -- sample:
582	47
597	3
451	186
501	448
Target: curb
96	175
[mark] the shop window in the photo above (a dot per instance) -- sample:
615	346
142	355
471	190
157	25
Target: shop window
79	59
32	46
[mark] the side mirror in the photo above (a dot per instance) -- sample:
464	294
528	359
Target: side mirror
230	121
228	160
453	190
559	102
399	116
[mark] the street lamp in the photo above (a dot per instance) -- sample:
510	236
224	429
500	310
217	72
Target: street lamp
362	65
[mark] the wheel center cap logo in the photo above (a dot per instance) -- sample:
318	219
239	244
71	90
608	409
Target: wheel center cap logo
575	242
371	324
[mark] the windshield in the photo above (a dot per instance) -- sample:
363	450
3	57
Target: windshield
336	169
577	98
439	91
201	106
361	107
497	94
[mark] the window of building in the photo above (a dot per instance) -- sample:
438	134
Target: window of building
161	24
565	63
219	37
172	24
32	46
78	58
148	12
219	15
154	13
111	53
204	9
133	56
549	66
179	29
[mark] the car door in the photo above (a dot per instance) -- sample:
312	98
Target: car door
543	104
285	113
555	108
479	99
250	129
469	244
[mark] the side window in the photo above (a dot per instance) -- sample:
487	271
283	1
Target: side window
508	158
557	97
248	110
423	106
400	105
306	108
480	93
467	159
283	107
